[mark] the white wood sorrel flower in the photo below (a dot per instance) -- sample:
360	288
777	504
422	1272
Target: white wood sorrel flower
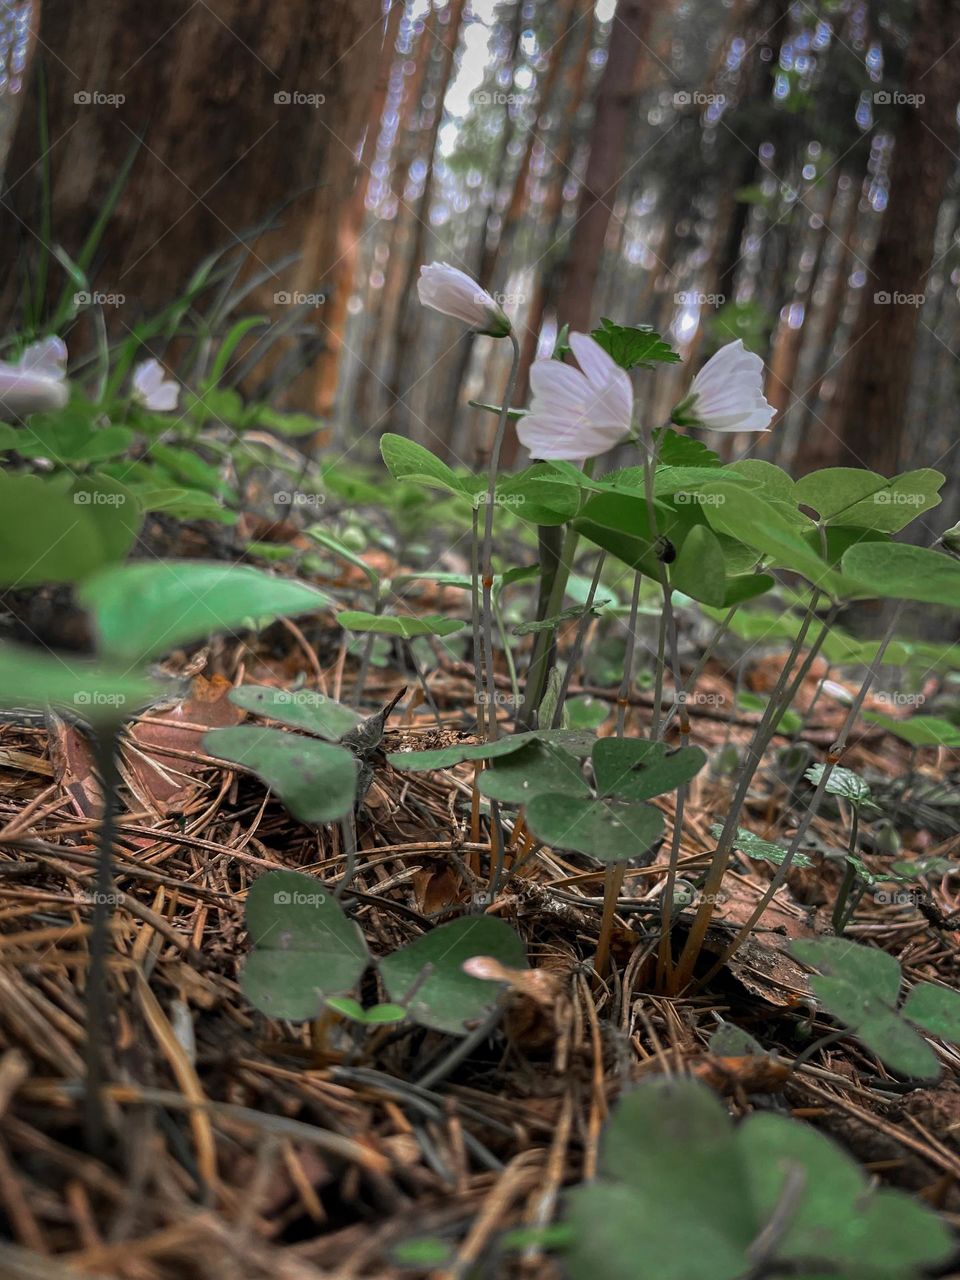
576	414
37	382
153	389
727	394
454	293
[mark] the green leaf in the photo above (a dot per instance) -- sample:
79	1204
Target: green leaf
620	523
56	529
903	572
842	782
774	482
31	678
316	781
611	830
377	1016
686	1195
537	496
334	544
919	731
859	987
306	949
112	512
407	460
864	500
770	529
72	435
290	425
586	712
634	769
299	708
676	450
936	1009
731	1041
142	610
539	766
427	976
579	743
761	850
568	615
406	628
699	570
632	345
190	469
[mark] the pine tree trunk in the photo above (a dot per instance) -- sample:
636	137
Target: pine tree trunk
237	110
880	364
616	94
396	379
350	226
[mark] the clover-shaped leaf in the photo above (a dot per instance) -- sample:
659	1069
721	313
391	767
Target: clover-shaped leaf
861	499
299	708
635	769
608	829
315	780
428	979
539	766
860	987
671	1155
305	948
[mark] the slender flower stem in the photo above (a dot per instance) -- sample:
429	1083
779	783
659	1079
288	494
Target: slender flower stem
705	657
758	745
834	755
475	623
536	677
106	746
486	557
578	642
626	683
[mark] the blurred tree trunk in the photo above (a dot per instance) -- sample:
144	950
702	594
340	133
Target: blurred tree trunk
496	252
18	39
385	302
350	226
616	95
234	110
488	251
396	379
815	445
785	358
876	385
546	277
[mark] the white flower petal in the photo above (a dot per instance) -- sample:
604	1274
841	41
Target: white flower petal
49	355
599	367
153	389
727	393
576	415
453	293
37	382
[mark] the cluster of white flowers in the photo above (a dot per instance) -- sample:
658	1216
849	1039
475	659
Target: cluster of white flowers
37	382
577	414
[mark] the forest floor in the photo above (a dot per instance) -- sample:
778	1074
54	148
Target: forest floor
304	1151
